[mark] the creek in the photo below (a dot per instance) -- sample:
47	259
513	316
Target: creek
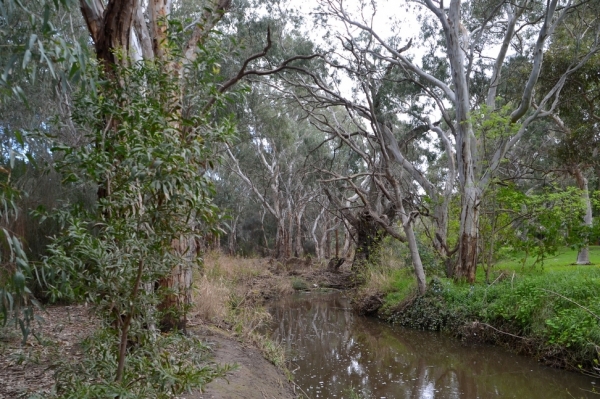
335	353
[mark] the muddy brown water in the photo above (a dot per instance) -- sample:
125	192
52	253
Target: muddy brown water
334	352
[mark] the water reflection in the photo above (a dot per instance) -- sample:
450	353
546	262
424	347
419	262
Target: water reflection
331	350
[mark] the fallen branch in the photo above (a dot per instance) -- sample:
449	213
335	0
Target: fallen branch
476	323
572	301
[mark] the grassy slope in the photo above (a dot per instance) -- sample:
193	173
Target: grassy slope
563	259
555	308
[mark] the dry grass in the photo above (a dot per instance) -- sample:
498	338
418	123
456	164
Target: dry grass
210	300
234	269
379	278
231	291
379	275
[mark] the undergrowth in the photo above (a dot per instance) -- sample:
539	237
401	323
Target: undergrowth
554	314
171	364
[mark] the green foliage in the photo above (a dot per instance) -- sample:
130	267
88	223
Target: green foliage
554	308
492	125
16	300
150	153
161	368
534	224
34	44
150	164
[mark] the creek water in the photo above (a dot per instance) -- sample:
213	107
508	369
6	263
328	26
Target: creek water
335	353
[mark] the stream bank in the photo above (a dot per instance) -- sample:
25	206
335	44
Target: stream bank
551	316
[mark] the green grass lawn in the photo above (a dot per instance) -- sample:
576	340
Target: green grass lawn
565	258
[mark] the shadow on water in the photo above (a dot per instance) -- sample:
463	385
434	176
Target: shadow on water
334	351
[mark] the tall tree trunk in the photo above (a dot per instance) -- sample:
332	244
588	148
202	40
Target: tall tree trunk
298	248
232	238
280	240
177	286
346	249
583	257
414	251
468	235
440	239
466	145
325	240
112	30
318	250
368	238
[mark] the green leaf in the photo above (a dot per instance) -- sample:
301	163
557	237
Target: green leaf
19	280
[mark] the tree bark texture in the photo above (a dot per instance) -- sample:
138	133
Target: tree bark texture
469	234
414	252
176	287
367	237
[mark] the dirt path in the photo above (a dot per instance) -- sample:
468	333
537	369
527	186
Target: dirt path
30	368
254	378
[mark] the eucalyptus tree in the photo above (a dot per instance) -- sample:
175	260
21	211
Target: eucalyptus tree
127	32
273	141
395	124
578	112
270	159
477	36
366	184
371	192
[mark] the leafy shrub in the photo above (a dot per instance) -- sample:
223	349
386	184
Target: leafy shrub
161	368
17	303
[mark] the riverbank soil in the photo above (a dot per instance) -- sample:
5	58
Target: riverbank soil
253	377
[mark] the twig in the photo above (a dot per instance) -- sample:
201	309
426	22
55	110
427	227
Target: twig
127	323
497	278
302	390
500	331
572	301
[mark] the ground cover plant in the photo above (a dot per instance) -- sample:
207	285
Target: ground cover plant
551	312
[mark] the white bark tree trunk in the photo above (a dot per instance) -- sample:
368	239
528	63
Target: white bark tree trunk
583	257
468	235
414	251
298	247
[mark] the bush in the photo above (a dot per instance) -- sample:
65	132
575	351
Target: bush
161	368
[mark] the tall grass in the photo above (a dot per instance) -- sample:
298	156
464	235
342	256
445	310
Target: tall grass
230	293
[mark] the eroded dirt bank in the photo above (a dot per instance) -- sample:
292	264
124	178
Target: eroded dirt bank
254	377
